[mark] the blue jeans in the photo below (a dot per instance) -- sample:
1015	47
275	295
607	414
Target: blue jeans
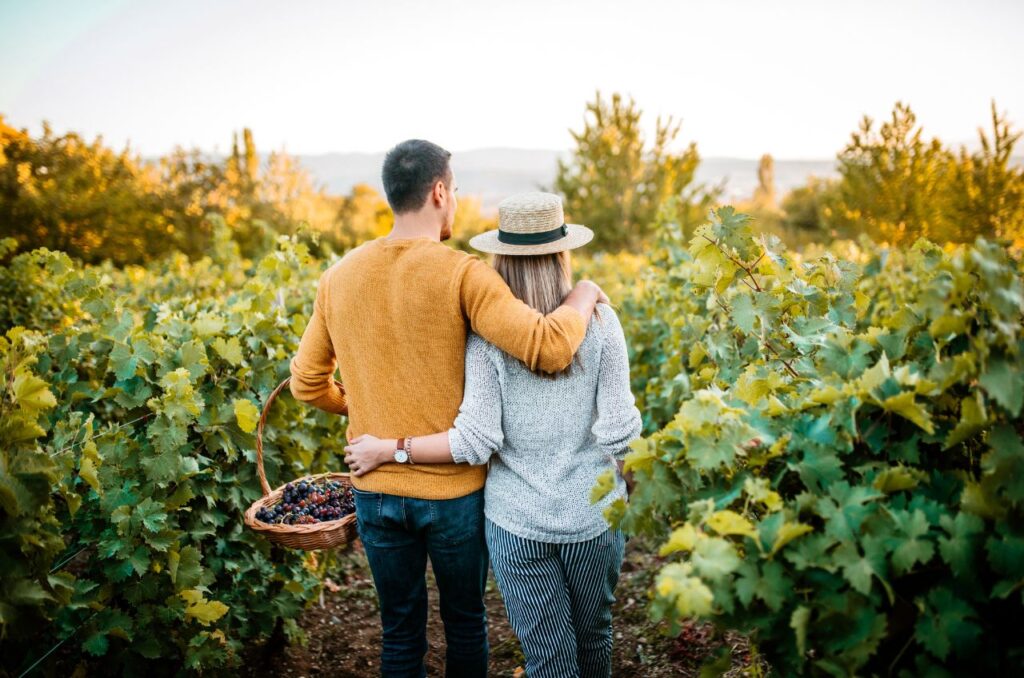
398	533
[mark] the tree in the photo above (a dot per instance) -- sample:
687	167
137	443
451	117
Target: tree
615	181
896	186
891	180
94	203
804	207
987	188
67	194
764	194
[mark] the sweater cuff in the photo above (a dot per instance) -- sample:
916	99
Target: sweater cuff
332	401
463	451
455	443
323	395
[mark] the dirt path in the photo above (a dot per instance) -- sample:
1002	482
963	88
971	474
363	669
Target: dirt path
344	634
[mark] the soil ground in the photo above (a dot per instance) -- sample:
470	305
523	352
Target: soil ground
343	635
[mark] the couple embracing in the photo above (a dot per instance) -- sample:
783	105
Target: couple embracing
483	404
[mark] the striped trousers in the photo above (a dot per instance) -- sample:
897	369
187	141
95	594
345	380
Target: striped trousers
559	600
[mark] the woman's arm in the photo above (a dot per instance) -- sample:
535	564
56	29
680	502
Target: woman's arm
475	436
367	452
618	420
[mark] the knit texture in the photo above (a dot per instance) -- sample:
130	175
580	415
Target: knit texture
392	316
547	441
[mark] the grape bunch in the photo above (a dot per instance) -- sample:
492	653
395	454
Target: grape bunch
307	502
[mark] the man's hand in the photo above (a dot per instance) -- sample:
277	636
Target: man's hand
585	296
367	452
602	298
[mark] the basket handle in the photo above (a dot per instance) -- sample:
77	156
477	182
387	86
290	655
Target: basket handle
259	430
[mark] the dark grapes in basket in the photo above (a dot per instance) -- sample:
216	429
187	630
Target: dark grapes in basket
307	502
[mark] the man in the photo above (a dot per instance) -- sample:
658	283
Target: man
393	315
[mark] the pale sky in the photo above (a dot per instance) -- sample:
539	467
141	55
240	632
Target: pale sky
789	78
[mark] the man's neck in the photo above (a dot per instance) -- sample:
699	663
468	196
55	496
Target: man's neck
415	226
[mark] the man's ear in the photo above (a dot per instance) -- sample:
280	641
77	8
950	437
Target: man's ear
438	194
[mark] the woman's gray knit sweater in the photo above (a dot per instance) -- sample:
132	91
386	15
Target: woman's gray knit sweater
550	439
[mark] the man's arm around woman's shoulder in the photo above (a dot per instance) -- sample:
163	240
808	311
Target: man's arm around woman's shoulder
547	342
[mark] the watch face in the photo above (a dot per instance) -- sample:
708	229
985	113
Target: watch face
401	456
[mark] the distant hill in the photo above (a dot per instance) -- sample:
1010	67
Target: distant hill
491	174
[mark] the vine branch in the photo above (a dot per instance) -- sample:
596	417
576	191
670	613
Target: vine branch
746	269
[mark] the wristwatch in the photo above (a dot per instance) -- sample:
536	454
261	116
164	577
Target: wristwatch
401	455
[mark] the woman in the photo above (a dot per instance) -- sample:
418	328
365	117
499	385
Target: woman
546	439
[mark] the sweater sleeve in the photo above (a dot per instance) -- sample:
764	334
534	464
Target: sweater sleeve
477	434
545	342
618	421
313	366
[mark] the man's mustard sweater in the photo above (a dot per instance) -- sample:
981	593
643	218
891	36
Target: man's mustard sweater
393	316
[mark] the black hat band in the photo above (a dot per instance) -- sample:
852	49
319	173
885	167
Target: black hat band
540	238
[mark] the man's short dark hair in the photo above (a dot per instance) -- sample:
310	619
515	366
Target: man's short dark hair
410	171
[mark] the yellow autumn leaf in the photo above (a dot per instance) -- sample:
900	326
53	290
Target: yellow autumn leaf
973	418
246	414
729	522
603	486
690	596
750	389
202	610
787	533
759	490
875	376
905	406
682	539
87	471
230	350
641	455
951	323
697	354
173	559
826	395
898	478
775	407
31	392
207	324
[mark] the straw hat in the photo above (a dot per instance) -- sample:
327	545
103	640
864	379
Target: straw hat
531	223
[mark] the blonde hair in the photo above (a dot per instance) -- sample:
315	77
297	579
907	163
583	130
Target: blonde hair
541	281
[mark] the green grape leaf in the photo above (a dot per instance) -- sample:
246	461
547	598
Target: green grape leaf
912	547
122	362
946	626
714	558
962	544
184	567
1004	381
96	644
139	560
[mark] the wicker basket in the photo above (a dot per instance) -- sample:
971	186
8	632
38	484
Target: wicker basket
311	537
